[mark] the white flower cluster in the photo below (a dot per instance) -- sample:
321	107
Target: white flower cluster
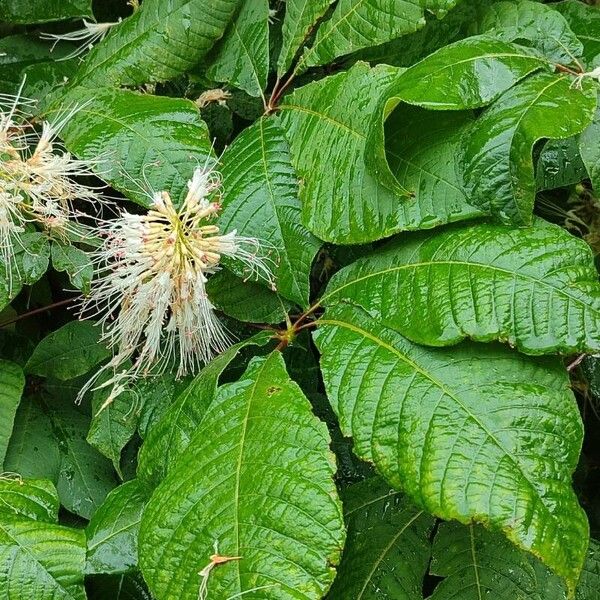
36	179
150	290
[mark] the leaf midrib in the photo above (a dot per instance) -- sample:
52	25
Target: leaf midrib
483	266
358	330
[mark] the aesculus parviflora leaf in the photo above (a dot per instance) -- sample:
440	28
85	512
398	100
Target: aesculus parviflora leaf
257	482
241	58
496	152
356	24
535	24
12	382
40	559
172	433
161	40
260	199
584	20
335	128
472	433
43	11
142	143
387	550
112	532
534	287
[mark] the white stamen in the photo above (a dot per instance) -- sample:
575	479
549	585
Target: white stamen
150	286
89	35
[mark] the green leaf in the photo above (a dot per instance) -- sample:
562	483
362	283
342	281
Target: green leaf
496	155
85	476
560	164
589	147
113	531
537	24
172	434
467	74
33	449
535	287
12	382
388	549
585	22
42	11
70	351
30	499
246	301
475	432
242	57
113	425
33	258
327	123
260	200
117	587
589	584
300	18
257	479
357	24
142	141
158	42
477	564
17	54
75	262
421	150
41	560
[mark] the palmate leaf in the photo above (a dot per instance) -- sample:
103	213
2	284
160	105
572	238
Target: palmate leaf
534	287
335	128
357	24
260	200
12	382
42	11
326	123
173	432
537	24
141	143
467	74
589	147
496	154
112	532
39	558
584	20
300	18
476	432
477	563
242	56
160	41
72	350
257	479
388	549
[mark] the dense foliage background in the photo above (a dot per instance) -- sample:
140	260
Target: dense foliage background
413	413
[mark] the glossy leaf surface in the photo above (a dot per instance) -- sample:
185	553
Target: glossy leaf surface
260	200
496	157
160	41
113	530
534	287
142	143
242	56
12	382
472	432
172	434
387	550
257	478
